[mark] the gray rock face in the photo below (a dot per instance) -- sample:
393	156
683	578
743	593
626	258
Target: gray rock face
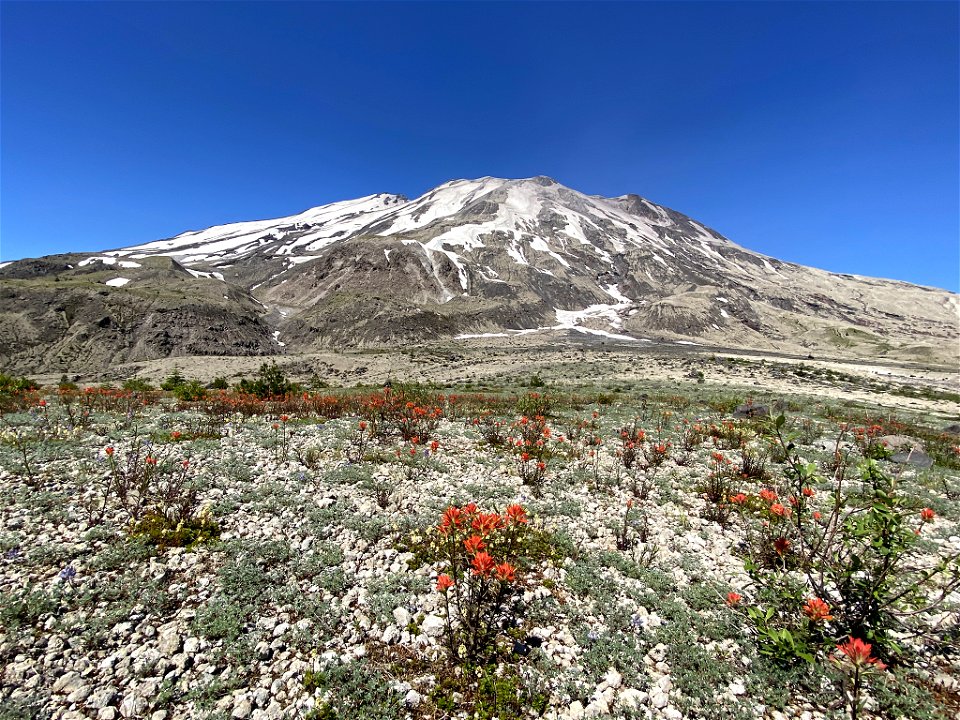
916	458
468	257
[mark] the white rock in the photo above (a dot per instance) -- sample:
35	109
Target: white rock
280	629
242	709
169	643
402	616
613	678
432	625
390	634
68	683
632	698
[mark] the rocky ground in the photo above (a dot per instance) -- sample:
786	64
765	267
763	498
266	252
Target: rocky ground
316	598
577	361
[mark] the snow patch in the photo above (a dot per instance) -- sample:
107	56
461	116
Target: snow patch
208	275
117	282
109	261
300	259
614	292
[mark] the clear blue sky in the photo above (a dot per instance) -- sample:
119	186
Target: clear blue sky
825	134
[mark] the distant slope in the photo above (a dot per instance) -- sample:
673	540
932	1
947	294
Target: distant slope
474	257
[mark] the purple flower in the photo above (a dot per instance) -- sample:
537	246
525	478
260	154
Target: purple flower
12	553
68	573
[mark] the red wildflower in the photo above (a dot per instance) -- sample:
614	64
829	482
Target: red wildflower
517	514
769	495
474	544
505	571
470	508
109	450
362	425
817	515
284	418
185	464
817	610
451	518
541	465
858	653
779	510
486	523
734	599
483	564
781	545
275	426
808	492
525	456
434	446
150	460
718	457
927	515
738	499
42	403
444	583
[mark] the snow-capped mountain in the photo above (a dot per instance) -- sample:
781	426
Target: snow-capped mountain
493	257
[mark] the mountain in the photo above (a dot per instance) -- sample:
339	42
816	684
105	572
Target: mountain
487	257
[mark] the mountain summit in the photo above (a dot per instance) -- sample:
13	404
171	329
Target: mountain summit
486	257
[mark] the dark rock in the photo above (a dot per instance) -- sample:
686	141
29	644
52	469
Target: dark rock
952	429
749	410
916	458
521	649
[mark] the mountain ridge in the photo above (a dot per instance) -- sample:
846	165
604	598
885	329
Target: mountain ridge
492	257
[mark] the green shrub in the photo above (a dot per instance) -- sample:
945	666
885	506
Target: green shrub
173	381
269	383
190	391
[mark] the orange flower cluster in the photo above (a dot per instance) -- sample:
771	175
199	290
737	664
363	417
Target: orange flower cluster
817	610
859	654
479	528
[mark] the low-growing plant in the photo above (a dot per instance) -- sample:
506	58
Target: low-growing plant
158	496
352	691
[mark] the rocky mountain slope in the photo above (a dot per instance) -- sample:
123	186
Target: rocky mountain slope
470	258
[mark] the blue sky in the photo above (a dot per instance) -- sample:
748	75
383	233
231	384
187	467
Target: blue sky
825	134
